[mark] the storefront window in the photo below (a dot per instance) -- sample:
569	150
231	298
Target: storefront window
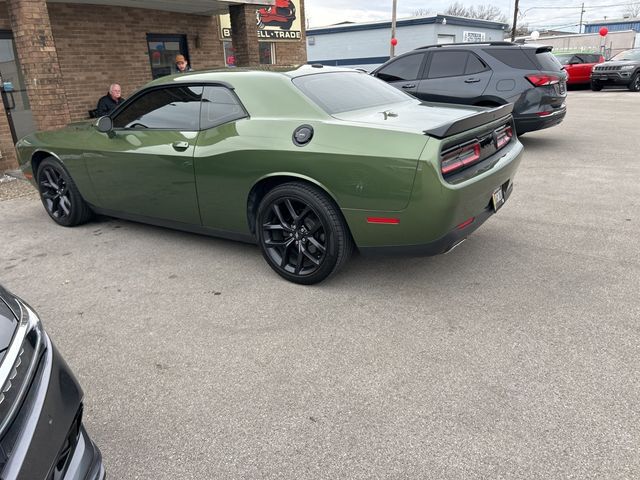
229	55
162	53
267	56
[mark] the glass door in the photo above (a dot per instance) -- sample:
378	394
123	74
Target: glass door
13	90
162	53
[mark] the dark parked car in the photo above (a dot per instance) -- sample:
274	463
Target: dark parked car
623	70
485	74
41	431
579	65
329	160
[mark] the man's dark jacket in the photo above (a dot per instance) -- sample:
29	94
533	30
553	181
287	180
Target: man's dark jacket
106	105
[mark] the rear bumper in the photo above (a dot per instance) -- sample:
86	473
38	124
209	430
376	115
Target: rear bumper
443	244
532	122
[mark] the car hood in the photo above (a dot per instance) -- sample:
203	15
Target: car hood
436	119
619	63
8	320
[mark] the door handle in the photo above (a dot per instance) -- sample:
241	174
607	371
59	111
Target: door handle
180	146
408	85
472	80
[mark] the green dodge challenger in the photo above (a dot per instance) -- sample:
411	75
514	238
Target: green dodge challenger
309	163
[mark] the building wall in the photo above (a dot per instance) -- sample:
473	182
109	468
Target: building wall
614	42
631	24
100	45
368	47
7	152
294	53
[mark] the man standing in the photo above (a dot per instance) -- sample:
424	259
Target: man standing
182	65
110	101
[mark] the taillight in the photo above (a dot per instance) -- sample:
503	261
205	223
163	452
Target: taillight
542	80
460	156
503	137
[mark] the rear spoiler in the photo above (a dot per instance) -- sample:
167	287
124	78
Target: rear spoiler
473	121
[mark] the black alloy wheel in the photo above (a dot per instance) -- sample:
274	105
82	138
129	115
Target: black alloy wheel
596	86
60	196
634	86
302	234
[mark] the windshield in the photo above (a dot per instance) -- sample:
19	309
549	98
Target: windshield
338	92
564	59
628	55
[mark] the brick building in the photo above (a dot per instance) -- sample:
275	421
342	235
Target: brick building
57	57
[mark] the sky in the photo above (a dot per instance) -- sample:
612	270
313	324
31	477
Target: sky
538	14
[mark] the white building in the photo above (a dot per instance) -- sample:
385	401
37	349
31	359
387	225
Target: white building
367	45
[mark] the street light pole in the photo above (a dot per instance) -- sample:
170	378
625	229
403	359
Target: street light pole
581	13
515	20
392	50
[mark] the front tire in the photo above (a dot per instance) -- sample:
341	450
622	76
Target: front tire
60	196
634	86
302	233
595	86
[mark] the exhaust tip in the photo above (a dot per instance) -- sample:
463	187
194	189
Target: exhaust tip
450	249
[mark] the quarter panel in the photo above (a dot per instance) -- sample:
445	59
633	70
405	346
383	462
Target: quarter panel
360	167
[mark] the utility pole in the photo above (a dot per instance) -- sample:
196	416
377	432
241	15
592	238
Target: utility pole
392	50
581	13
515	20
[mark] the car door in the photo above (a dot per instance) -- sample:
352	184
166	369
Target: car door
454	76
403	72
144	166
580	69
222	174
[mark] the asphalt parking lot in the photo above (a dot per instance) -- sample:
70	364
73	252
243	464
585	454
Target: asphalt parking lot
515	356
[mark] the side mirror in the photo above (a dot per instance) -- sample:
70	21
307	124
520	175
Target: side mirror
104	124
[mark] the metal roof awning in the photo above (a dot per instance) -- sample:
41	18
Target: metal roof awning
193	7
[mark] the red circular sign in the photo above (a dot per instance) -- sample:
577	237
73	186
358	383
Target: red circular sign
604	31
394	41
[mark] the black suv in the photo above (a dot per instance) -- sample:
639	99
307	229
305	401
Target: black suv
621	70
485	74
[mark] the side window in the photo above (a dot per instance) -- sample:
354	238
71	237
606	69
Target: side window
474	65
403	69
447	64
219	105
578	59
172	108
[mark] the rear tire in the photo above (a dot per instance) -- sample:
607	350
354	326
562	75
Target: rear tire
302	233
595	86
60	196
634	86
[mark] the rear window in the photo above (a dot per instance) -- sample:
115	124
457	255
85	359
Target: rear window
514	57
338	92
548	62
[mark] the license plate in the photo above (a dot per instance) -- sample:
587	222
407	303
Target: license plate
497	199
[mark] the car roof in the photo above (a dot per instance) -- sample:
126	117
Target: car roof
228	74
476	45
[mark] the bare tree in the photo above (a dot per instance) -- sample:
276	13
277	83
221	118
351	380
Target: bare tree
632	10
422	12
522	30
482	12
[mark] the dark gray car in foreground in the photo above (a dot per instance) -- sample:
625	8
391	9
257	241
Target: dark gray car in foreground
41	431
